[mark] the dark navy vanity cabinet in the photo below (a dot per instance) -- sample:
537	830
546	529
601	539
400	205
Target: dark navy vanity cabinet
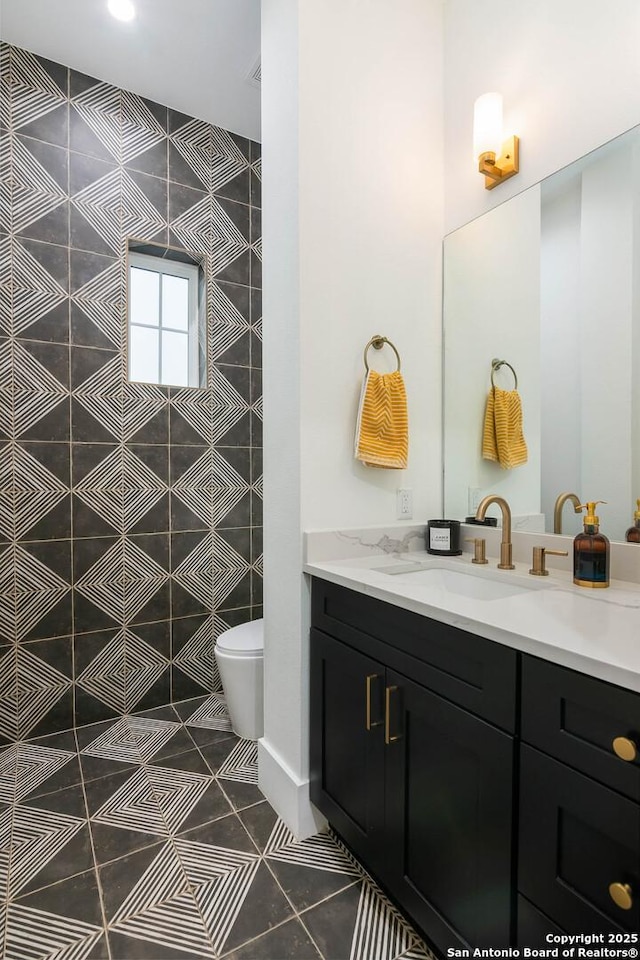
443	760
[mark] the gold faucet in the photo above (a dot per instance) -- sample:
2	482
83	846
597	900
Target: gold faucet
506	562
557	510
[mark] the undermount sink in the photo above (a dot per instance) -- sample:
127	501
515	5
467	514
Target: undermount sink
477	585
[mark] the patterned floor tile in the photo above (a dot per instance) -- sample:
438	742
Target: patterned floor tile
359	923
220	883
212	714
311	870
28	929
24	767
289	941
35	838
161	907
132	739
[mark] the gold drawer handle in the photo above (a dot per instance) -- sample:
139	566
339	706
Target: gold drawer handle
369	722
621	894
625	748
388	738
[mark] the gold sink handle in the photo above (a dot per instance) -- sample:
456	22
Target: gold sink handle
539	553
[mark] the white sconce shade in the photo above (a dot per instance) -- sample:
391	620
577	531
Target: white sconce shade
487	124
497	158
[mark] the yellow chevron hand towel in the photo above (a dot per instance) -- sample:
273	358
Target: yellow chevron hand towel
382	431
502	437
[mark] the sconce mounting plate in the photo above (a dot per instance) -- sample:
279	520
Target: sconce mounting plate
498	169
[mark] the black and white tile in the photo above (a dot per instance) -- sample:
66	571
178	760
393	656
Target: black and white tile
120	841
118	475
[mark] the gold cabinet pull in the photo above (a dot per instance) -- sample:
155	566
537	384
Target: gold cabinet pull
625	748
369	722
387	716
622	895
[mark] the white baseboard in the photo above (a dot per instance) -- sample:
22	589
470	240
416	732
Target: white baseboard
287	794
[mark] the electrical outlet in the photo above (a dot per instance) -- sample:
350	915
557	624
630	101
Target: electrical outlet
474	498
404	504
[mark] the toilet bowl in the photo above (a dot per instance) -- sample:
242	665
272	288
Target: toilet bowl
239	654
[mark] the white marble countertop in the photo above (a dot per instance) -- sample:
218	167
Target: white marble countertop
596	632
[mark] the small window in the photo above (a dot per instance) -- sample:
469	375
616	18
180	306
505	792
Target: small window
166	326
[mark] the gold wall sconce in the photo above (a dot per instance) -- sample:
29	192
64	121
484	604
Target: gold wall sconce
498	159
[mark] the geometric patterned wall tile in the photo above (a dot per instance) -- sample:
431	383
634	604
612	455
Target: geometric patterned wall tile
225	321
141	130
40	688
191	144
196	658
36	292
210	488
29	688
28	391
30	90
82	156
121	407
28	591
211	571
122	581
36	192
30	491
121	489
99	107
123	672
100	300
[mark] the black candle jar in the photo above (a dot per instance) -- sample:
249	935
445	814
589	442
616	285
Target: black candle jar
443	538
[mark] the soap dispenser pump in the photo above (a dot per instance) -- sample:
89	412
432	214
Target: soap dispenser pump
591	551
633	533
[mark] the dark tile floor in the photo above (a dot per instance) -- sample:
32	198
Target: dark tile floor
148	839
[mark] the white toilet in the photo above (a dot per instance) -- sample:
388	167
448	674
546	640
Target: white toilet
239	654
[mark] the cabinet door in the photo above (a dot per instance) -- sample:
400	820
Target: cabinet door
449	797
576	839
347	743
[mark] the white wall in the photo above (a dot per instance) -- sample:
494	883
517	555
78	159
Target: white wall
569	73
352	226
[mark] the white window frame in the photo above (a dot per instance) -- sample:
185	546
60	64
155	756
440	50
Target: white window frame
173	268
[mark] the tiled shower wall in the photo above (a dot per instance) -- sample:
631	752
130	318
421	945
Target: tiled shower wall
130	514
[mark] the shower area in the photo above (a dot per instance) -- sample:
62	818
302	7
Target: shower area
130	511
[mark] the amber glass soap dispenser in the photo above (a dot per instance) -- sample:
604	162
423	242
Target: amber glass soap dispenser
633	533
591	551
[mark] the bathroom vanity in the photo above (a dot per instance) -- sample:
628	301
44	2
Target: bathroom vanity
471	768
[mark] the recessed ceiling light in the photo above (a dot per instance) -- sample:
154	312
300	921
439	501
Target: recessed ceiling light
122	9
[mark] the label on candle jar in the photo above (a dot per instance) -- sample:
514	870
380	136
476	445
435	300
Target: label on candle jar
440	538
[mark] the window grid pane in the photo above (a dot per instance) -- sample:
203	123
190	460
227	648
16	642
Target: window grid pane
144	297
168	310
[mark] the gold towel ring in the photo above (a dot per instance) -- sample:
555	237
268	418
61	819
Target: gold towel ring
496	364
377	342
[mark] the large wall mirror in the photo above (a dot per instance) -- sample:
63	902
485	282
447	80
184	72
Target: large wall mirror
549	282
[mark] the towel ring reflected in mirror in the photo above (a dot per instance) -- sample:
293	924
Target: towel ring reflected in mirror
496	364
377	342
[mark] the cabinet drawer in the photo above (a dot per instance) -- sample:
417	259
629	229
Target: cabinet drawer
473	672
576	719
577	838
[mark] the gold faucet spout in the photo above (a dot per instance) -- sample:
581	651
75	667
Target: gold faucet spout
506	549
557	510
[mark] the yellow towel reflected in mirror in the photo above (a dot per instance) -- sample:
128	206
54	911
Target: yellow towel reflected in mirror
502	437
